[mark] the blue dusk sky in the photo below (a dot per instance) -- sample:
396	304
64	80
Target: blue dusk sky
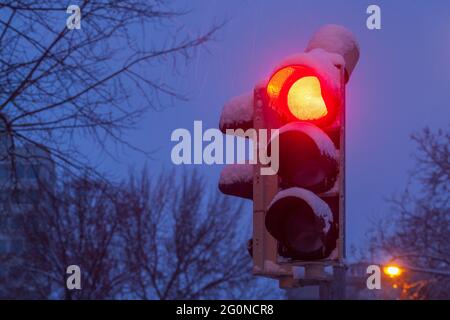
400	85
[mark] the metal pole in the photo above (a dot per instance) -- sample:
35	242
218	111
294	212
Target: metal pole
324	290
339	282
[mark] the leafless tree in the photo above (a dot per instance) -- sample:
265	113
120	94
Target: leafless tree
60	86
418	230
187	242
167	237
76	224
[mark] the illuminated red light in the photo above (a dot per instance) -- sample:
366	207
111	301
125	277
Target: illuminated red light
297	93
277	82
305	99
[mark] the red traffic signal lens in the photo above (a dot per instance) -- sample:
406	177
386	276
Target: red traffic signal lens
298	93
302	222
305	100
277	82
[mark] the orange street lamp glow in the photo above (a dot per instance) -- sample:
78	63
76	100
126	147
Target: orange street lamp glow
392	271
305	99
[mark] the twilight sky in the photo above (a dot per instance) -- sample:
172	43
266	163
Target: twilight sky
400	84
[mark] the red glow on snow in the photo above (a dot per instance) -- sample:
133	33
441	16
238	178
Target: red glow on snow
277	81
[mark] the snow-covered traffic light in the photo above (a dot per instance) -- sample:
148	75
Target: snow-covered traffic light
299	212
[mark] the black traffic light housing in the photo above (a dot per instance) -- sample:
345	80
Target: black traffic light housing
299	213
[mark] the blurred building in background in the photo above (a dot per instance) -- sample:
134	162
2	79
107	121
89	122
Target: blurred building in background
25	171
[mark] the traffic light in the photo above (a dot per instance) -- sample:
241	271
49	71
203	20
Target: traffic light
299	213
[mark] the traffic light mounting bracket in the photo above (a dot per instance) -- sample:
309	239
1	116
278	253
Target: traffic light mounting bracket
265	187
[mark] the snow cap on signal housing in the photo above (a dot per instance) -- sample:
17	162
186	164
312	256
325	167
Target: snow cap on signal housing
337	39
